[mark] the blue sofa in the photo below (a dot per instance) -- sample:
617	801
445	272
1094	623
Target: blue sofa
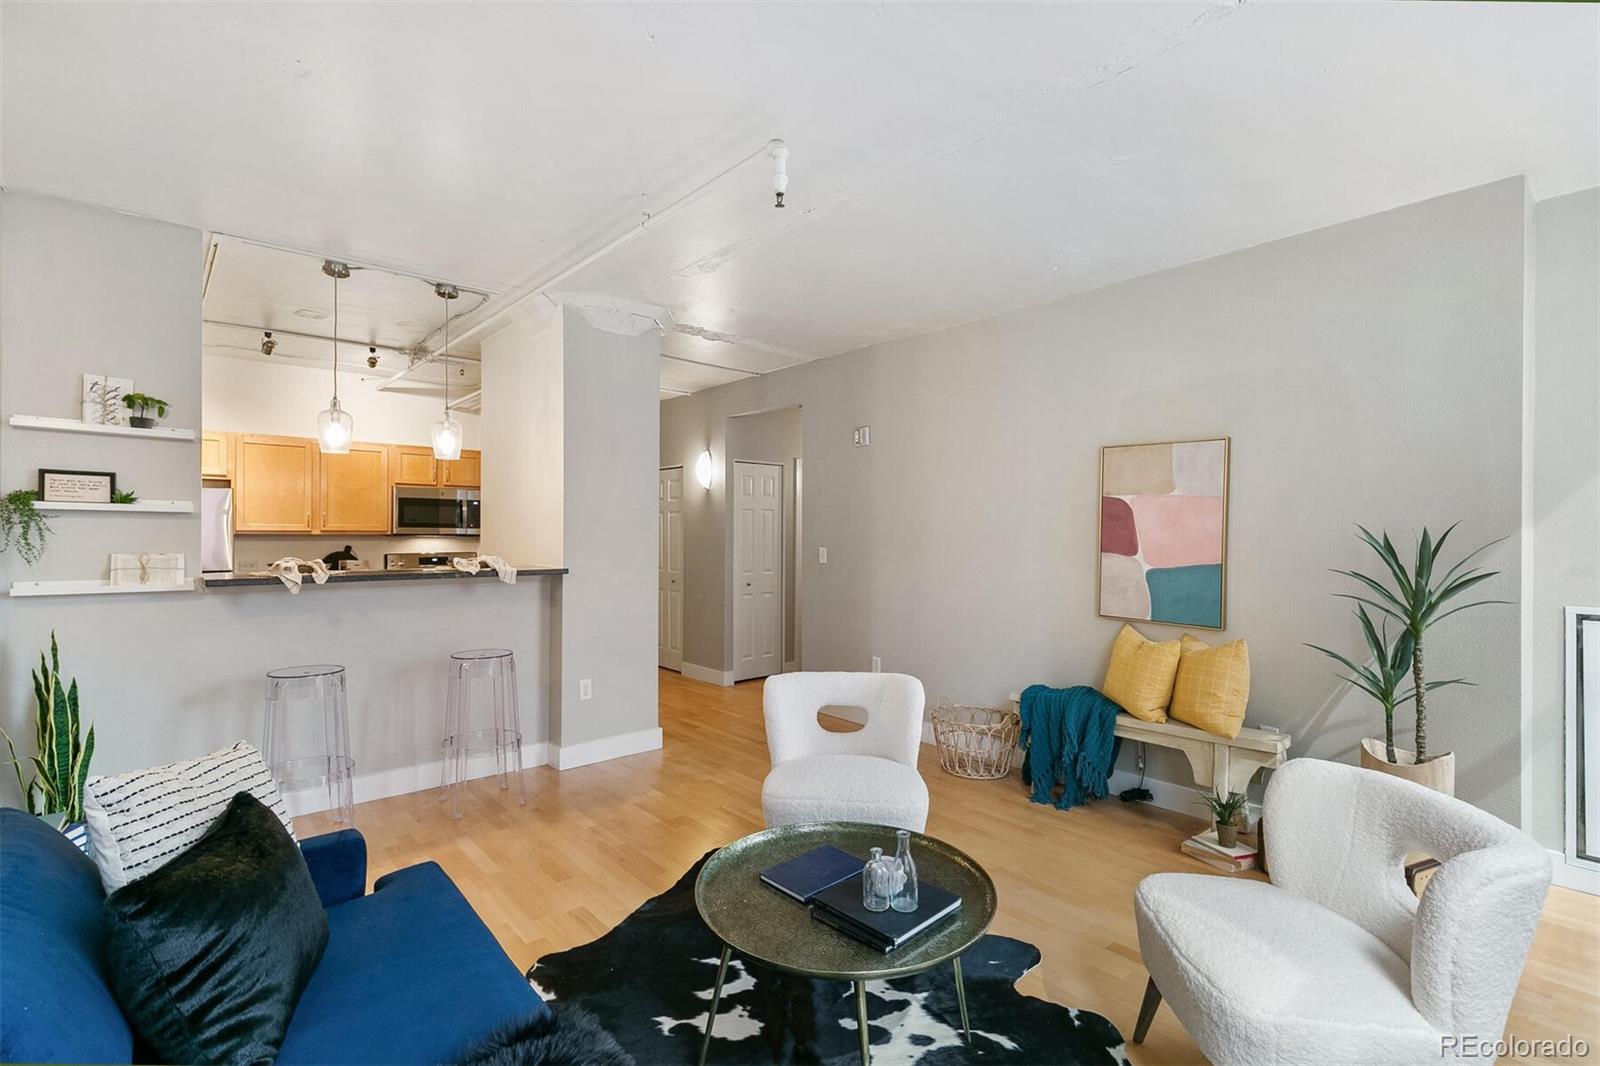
410	974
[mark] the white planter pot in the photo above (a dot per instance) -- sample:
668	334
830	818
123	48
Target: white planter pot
1438	773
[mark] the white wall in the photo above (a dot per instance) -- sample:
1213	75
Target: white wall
249	396
1564	474
173	675
1368	372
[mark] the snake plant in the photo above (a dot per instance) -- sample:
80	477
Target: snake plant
62	764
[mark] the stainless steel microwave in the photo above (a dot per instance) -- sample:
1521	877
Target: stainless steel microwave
421	510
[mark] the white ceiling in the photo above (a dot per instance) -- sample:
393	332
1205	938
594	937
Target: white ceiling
251	288
950	161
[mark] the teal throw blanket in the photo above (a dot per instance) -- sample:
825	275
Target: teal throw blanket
1068	738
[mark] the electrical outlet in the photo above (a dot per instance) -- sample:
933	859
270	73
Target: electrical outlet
877	664
822	555
586	688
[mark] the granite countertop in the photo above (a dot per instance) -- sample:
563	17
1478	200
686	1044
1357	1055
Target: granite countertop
362	577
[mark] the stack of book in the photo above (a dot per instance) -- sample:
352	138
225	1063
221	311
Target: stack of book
1231	860
829	881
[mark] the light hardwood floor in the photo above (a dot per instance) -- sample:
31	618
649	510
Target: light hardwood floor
594	843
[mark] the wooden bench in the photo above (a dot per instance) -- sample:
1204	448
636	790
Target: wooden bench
1217	762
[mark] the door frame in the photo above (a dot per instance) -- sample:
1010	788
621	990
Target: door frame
733	567
679	467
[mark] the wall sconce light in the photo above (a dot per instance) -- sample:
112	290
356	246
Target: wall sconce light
702	469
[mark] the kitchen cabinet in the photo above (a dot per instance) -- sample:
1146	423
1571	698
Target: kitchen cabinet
275	484
355	490
412	465
216	454
463	473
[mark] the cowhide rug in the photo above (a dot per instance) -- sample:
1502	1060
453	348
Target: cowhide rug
649	982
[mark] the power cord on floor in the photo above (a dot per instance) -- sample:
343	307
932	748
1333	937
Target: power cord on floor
1138	794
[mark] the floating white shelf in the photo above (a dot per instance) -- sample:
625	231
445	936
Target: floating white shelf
161	506
90	588
72	425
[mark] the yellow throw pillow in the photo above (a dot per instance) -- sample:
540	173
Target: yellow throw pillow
1213	686
1139	679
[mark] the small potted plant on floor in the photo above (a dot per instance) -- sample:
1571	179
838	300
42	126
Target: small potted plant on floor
142	404
1225	809
1417	599
62	764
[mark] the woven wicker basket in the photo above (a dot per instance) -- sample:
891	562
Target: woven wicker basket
975	742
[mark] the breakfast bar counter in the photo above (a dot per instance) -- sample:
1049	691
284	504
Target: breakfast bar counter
363	577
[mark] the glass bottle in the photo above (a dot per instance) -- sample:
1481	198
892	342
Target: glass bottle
877	881
905	896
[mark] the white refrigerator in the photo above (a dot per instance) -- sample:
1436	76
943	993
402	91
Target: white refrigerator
216	531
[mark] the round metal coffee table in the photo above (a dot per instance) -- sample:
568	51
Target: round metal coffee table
767	927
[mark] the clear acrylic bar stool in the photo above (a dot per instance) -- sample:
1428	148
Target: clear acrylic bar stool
480	718
297	697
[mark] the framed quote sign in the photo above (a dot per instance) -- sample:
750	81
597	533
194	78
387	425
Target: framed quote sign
76	486
1164	532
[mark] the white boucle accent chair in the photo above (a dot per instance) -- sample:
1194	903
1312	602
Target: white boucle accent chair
1336	961
869	775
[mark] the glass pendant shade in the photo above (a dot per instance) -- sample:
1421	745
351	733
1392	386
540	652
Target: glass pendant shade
447	438
335	429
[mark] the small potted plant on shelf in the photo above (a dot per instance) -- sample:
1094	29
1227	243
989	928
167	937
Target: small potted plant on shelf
124	496
141	404
1416	599
22	526
1225	809
62	764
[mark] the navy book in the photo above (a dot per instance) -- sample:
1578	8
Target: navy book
866	936
892	928
806	875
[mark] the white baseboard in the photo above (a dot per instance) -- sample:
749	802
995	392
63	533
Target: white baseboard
696	672
1570	875
570	756
382	784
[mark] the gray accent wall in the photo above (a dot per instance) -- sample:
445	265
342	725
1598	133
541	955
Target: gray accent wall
1564	511
1368	372
573	473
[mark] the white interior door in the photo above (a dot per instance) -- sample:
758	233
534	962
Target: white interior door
669	567
757	570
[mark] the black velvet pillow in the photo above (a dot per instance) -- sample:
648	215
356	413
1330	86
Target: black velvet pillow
209	954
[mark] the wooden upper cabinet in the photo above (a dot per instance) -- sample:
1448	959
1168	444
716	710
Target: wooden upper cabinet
463	473
355	490
275	484
216	454
410	464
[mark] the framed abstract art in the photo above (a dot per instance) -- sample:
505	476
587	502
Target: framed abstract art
1163	552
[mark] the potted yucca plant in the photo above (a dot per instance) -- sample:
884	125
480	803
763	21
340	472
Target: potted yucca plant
62	764
1417	598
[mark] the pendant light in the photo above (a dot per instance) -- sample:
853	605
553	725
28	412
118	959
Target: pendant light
446	431
335	427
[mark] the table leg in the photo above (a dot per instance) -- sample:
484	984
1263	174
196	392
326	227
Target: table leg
716	996
861	1023
961	1000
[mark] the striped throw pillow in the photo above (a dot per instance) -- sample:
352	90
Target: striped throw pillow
140	821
